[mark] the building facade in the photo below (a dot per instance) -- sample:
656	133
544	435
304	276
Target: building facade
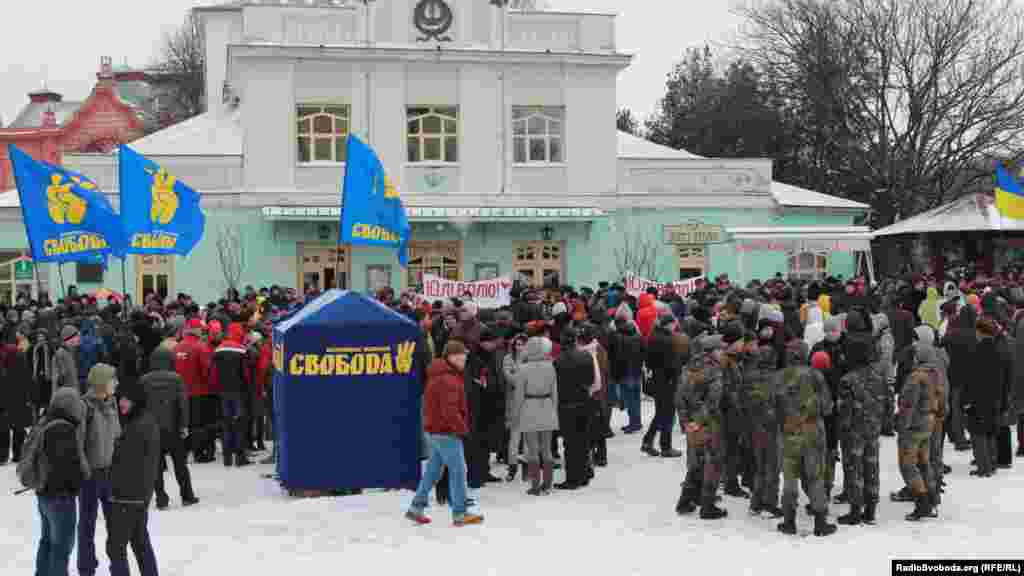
497	126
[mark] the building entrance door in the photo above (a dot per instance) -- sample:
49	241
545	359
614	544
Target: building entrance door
438	257
323	267
154	274
538	264
693	262
18	277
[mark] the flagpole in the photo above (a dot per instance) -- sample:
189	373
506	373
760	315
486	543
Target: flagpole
124	286
60	274
39	285
341	221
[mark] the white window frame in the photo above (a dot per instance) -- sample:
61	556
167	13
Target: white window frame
312	135
443	135
521	132
814	273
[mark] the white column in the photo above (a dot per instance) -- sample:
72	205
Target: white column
497	27
464	22
370	22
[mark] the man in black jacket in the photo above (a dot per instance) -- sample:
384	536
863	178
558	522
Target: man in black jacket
133	478
663	365
576	370
170	408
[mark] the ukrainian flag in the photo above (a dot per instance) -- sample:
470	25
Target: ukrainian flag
1009	196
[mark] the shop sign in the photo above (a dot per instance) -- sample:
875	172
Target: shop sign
694	233
23	270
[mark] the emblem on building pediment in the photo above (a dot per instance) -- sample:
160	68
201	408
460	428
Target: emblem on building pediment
433	18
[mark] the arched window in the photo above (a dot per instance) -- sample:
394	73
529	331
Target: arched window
808	265
322	132
537	134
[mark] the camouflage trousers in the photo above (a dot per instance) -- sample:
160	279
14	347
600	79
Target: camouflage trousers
703	463
860	467
736	445
888	413
935	446
765	446
915	461
802	462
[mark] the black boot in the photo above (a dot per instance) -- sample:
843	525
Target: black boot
842	498
669	452
736	491
228	459
904	495
512	469
708	510
869	513
853	518
822	527
648	448
242	459
788	525
774	511
922	509
685	505
533	471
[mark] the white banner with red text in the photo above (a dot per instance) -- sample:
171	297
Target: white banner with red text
493	293
635	285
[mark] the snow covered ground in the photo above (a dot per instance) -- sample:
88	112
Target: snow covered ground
623	524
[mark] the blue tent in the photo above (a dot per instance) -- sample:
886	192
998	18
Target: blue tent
346	396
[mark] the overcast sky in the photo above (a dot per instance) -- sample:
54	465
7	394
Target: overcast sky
60	42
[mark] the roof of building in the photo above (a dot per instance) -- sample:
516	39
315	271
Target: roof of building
31	116
209	134
631	146
971	213
235	4
796	197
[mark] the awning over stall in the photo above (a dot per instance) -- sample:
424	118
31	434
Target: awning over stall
802	239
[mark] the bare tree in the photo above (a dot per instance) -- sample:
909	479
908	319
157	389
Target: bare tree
625	121
904	99
636	252
178	74
231	254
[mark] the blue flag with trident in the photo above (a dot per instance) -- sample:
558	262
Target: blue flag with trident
371	207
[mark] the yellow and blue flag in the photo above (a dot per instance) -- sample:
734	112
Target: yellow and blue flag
159	213
371	207
67	218
1009	197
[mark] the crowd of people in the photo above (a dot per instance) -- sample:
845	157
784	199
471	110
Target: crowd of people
777	379
782	379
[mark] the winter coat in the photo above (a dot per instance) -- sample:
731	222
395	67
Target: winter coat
535	390
912	415
928	310
100	431
229	365
192	363
16	387
962	345
136	453
983	394
445	410
66	465
625	354
167	401
885	348
575	370
647	315
1018	369
65	369
91	350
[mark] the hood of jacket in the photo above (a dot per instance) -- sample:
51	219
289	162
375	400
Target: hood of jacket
162	359
536	349
646	300
66	403
441	367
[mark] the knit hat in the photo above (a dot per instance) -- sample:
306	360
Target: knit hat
68	332
101	375
821	361
454	347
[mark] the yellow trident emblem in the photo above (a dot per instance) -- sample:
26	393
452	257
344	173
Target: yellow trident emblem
403	357
63	204
165	199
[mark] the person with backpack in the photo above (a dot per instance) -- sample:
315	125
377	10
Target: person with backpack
169	406
133	475
55	468
100	430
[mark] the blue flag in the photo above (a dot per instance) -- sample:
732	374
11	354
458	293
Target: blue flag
67	218
371	207
159	213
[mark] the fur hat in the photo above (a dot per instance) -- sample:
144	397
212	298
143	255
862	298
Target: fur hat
986	327
454	347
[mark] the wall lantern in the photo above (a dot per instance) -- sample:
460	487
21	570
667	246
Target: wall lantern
547	232
323	231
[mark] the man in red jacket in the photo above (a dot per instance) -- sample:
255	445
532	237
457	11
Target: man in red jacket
647	315
192	363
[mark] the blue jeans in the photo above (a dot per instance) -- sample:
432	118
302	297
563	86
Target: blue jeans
232	415
444	451
96	492
630	388
58	515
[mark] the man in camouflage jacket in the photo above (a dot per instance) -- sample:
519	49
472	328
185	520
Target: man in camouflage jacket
914	431
803	400
735	421
699	406
764	425
860	424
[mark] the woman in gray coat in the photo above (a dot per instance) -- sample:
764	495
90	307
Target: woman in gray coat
534	410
